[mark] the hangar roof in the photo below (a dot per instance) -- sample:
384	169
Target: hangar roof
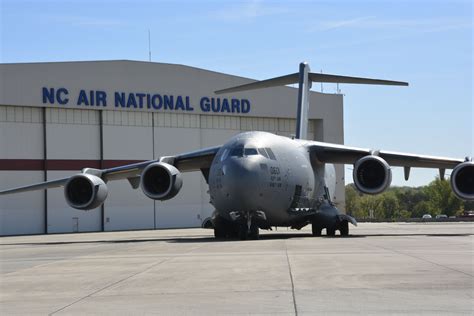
25	84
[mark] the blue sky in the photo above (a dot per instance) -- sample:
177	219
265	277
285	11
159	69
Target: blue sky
427	43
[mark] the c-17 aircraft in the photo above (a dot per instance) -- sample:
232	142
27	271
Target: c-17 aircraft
258	180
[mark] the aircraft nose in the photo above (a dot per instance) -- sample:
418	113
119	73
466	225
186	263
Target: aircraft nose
241	183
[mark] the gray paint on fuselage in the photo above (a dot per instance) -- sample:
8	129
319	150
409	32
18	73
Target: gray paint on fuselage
258	183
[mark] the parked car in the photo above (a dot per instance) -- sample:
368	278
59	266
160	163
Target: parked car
441	216
426	216
468	213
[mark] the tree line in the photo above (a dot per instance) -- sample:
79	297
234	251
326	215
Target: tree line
406	202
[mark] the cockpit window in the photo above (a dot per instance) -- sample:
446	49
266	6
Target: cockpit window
225	154
262	152
271	155
237	152
241	152
250	151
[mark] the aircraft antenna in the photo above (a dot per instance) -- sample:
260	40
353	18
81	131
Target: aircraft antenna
149	46
322	90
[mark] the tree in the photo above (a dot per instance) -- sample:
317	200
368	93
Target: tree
409	197
368	204
389	207
442	198
352	199
406	202
468	205
404	214
421	208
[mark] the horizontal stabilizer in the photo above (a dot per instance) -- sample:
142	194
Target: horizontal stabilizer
273	82
314	77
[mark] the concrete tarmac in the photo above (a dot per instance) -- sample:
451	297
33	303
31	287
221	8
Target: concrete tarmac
382	268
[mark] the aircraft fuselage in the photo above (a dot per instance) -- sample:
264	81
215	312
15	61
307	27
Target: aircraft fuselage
257	172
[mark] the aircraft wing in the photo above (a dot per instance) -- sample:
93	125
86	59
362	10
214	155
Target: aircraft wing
37	186
340	154
191	161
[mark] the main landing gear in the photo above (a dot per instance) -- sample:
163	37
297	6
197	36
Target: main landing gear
328	217
316	229
342	226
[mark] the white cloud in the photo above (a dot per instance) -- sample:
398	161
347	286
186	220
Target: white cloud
331	25
419	25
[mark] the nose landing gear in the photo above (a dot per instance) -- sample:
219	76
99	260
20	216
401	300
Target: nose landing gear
248	229
248	232
242	225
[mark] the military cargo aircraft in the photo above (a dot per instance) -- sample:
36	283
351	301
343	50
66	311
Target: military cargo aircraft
258	180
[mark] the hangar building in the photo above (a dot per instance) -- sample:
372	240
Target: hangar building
57	118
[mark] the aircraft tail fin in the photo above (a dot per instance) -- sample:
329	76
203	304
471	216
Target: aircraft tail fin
304	78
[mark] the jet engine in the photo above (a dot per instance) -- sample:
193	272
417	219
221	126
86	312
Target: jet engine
85	191
462	181
372	175
161	181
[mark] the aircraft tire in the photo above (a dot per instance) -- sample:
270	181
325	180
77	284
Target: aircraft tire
219	233
316	230
254	232
243	232
344	228
234	233
331	231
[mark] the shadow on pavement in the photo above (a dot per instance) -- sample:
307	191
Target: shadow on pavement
209	239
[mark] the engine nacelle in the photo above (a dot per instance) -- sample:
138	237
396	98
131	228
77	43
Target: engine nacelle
372	175
85	191
462	181
161	181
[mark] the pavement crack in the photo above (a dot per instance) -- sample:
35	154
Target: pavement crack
110	285
121	280
292	281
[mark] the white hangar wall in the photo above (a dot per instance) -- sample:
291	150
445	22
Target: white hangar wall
21	137
78	136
